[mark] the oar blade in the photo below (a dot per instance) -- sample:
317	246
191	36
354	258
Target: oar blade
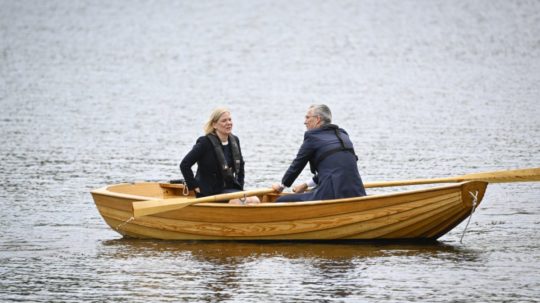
506	176
503	176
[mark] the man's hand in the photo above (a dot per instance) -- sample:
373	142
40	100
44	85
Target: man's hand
300	188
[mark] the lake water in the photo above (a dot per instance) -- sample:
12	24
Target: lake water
100	92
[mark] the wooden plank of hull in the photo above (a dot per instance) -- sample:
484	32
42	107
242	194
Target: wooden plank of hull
448	224
142	232
381	227
422	229
409	219
438	225
468	188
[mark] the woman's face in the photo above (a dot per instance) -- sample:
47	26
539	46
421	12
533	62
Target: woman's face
224	124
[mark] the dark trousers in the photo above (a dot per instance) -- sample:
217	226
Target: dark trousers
295	197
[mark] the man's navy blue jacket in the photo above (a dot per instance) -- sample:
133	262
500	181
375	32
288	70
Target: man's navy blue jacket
338	175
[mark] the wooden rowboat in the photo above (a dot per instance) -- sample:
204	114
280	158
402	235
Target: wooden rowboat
424	214
162	211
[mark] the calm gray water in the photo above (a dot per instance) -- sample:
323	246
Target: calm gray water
100	92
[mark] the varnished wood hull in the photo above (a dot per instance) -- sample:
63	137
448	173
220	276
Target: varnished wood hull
424	214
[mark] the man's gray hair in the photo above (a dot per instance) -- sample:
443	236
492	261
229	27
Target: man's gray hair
322	111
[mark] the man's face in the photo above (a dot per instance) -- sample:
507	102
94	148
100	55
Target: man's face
311	120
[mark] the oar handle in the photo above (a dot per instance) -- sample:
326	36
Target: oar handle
150	207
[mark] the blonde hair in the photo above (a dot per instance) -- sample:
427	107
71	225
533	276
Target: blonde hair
214	117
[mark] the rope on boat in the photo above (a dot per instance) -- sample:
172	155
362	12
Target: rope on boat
474	201
185	190
243	200
124	223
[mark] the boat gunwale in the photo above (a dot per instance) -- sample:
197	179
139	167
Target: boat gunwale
104	191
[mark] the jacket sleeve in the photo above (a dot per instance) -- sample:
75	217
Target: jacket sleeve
241	173
190	159
305	153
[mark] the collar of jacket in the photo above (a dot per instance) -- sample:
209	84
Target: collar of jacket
324	127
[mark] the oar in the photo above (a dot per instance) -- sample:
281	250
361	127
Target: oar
502	176
150	207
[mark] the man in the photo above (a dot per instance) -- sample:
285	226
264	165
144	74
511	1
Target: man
332	159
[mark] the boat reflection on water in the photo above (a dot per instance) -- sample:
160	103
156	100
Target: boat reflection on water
227	251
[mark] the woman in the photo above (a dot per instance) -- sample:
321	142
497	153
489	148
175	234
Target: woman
220	166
